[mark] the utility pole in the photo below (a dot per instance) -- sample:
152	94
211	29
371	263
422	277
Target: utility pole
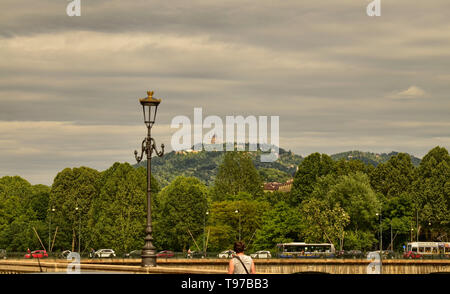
417	223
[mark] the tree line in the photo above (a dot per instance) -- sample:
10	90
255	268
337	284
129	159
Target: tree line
342	202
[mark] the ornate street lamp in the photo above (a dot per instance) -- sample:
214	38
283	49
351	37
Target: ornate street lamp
149	106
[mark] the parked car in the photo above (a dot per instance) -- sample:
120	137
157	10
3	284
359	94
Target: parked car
195	254
261	254
412	255
65	253
226	254
102	253
133	254
388	254
165	254
37	254
3	253
354	254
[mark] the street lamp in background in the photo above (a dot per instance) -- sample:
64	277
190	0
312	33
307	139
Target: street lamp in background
237	211
79	229
381	242
204	233
149	107
49	227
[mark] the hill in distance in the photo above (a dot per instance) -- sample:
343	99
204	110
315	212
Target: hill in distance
371	158
204	164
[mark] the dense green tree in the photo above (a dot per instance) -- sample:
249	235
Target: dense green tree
273	175
71	189
309	172
356	197
394	180
117	216
346	167
181	211
275	197
19	214
395	176
244	216
432	194
236	174
322	223
280	224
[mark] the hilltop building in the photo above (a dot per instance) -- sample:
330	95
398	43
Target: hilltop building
281	187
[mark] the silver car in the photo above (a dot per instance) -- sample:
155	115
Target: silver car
226	254
105	253
261	254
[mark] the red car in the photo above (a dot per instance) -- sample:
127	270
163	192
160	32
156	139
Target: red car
412	255
165	254
37	254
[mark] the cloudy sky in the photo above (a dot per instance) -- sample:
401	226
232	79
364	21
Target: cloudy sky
338	79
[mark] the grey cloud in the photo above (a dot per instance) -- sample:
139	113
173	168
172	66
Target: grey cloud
323	66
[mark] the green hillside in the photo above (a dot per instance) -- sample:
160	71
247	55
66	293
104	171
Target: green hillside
371	158
203	165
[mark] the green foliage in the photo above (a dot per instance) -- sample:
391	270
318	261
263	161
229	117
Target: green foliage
281	224
205	165
340	205
118	215
73	188
432	193
237	174
323	223
369	158
309	171
182	207
359	240
224	222
394	177
20	211
334	199
355	195
273	175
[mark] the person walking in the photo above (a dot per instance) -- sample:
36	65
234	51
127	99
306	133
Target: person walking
241	263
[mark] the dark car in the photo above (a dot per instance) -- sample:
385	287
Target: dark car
133	254
165	254
195	254
388	254
353	254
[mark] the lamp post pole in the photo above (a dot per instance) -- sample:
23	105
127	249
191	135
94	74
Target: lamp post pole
381	243
149	106
49	228
237	211
79	229
204	234
417	224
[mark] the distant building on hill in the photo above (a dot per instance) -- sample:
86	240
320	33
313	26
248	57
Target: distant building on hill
184	152
281	187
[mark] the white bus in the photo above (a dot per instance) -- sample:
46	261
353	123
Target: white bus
427	249
305	250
